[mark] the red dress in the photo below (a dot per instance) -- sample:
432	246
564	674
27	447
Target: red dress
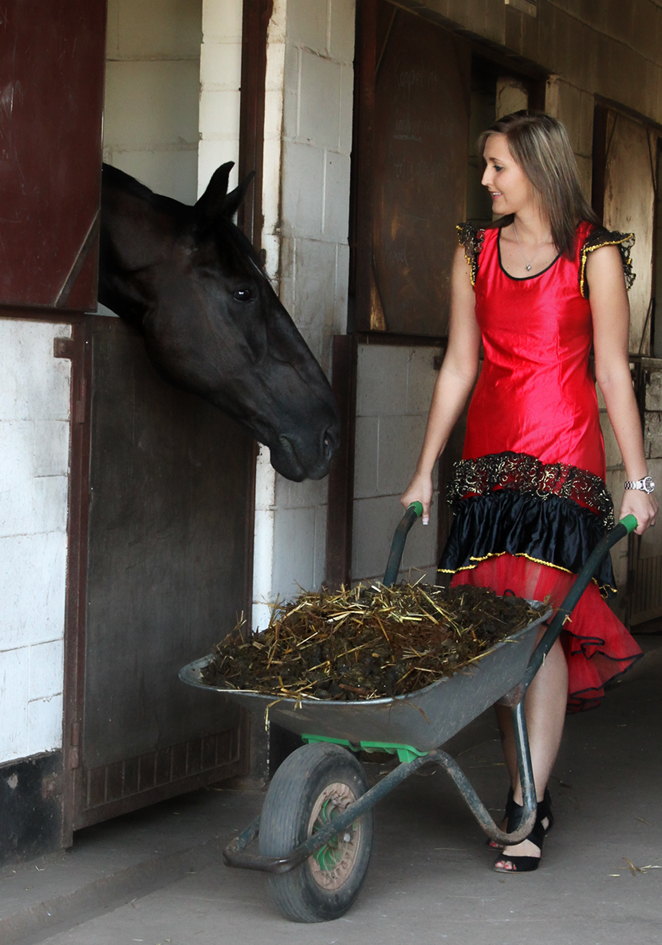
529	496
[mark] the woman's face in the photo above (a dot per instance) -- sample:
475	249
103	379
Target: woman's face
511	189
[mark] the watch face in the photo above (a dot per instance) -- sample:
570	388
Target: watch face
648	484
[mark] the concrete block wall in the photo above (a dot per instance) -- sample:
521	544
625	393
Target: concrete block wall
220	88
34	468
152	92
308	124
394	389
318	80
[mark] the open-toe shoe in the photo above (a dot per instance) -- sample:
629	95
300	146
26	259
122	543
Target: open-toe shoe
526	864
544	814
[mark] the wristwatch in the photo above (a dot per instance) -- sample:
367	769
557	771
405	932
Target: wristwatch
645	485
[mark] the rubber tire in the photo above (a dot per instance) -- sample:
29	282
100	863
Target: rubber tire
286	814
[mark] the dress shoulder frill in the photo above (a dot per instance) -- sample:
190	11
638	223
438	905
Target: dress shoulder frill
471	240
599	237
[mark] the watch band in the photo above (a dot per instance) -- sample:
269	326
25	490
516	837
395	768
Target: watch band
644	485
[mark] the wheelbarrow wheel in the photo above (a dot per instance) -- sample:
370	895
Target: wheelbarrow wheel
311	787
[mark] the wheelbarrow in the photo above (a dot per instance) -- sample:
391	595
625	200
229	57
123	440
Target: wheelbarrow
315	830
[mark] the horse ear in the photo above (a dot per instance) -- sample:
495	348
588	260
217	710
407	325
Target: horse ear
211	205
233	200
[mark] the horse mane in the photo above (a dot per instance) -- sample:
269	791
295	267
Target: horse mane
244	246
128	184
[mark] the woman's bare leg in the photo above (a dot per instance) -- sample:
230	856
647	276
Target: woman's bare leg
545	708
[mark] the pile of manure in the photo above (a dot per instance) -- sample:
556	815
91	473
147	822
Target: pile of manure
366	642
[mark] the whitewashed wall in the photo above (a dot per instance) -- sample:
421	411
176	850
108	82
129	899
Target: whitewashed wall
394	389
220	88
307	148
34	467
152	92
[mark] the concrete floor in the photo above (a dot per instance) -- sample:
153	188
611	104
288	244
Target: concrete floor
157	877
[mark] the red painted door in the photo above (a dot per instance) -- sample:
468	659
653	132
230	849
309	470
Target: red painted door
52	58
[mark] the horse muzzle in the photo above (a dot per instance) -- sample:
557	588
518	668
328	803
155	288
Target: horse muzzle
297	460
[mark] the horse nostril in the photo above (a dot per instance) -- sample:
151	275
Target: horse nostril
328	444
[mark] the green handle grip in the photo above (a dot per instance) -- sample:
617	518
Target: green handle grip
414	511
629	523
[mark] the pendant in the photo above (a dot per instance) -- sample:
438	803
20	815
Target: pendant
528	268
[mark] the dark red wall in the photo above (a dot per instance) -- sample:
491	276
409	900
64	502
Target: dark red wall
52	59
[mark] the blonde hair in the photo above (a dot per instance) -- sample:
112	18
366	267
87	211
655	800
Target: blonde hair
541	147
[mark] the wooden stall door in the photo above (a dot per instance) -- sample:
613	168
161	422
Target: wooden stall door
412	169
168	574
624	194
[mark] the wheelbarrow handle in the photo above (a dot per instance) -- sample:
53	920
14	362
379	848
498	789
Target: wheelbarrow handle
414	511
552	633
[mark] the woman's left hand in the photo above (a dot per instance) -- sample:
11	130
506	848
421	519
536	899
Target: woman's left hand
642	505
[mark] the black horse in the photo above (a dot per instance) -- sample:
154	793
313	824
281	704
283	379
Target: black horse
191	283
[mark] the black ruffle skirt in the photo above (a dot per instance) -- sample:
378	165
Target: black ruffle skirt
549	530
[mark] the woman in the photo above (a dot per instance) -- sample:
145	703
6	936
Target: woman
539	287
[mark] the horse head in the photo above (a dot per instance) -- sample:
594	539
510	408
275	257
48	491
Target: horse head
189	280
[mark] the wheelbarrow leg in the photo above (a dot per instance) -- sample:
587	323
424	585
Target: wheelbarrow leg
525	767
475	804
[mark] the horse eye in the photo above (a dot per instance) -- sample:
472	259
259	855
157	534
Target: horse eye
242	295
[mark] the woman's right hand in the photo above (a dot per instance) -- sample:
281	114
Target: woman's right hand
419	490
456	379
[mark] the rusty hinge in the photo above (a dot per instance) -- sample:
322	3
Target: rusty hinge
64	348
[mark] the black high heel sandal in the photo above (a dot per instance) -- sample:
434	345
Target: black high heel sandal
527	864
544	809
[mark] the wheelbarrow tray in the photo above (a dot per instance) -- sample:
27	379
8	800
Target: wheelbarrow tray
422	720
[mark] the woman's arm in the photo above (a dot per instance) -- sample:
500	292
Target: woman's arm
611	320
456	378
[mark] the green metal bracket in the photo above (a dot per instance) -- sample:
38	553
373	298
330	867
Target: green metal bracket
405	753
353	746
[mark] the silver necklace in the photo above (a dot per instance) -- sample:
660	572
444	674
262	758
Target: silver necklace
526	262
